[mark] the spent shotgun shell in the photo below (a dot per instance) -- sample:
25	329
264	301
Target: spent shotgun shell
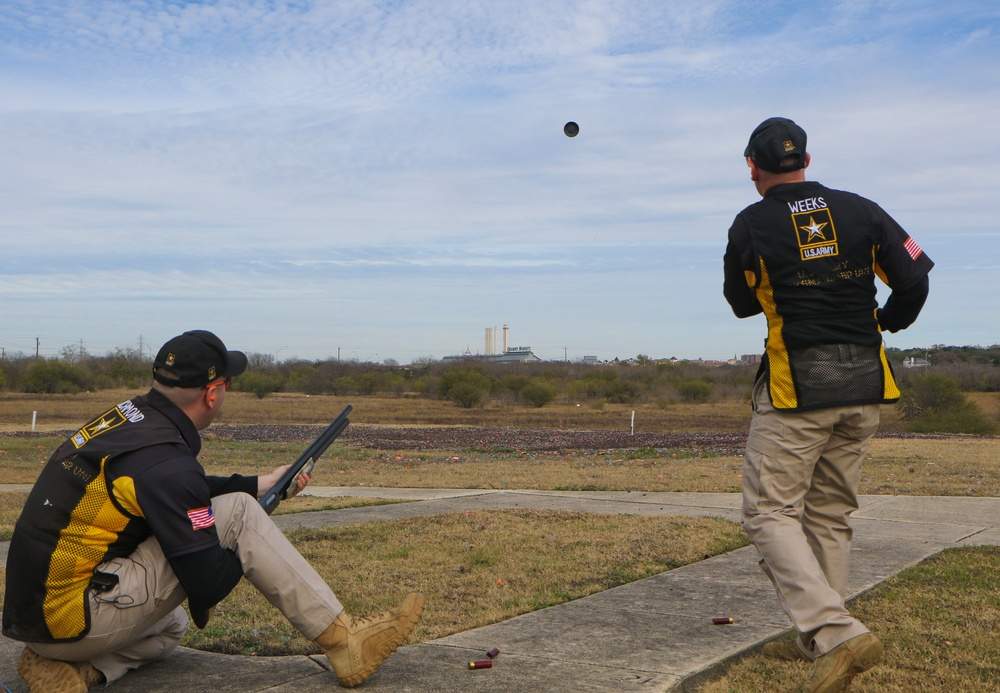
484	664
493	653
722	621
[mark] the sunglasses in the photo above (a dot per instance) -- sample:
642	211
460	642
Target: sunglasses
226	382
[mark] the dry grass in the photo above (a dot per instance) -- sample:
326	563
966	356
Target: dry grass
953	466
61	412
948	466
11	503
464	565
937	621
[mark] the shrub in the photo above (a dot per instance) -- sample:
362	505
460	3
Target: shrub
514	383
53	376
936	404
538	393
260	384
307	378
694	390
466	387
467	394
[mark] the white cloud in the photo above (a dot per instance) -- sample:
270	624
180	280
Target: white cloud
414	149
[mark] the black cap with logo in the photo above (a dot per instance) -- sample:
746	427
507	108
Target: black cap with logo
196	358
777	140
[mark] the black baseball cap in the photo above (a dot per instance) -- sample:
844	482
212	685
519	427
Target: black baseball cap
195	359
774	140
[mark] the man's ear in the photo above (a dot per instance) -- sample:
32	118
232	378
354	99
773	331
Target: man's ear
209	397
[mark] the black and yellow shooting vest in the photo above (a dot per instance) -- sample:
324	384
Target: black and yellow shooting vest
71	523
814	276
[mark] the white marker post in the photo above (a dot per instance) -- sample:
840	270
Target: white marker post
34	417
633	422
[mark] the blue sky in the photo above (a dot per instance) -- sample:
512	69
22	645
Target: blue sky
385	180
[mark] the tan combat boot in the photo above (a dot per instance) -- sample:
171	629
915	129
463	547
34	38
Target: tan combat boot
44	675
835	670
357	646
785	650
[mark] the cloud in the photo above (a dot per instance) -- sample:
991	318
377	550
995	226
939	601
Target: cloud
410	155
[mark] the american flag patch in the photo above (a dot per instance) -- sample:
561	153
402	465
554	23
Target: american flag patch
201	518
912	248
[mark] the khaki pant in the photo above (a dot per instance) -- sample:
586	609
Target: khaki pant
800	483
140	620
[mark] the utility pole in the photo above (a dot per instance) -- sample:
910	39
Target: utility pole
37	344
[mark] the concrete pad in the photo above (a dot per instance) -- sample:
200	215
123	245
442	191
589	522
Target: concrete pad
703	500
987	537
189	670
499	500
732	585
582	634
978	512
411	494
398	511
436	668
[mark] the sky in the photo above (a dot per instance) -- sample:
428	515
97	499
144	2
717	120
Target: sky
386	179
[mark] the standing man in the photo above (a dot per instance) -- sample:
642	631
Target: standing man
807	256
123	525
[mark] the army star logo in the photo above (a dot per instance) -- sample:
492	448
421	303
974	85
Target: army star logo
105	422
817	234
814	229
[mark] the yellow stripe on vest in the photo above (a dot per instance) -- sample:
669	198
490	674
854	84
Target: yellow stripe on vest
782	388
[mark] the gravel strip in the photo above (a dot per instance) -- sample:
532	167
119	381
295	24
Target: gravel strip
482	438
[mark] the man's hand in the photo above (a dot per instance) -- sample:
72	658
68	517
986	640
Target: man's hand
266	482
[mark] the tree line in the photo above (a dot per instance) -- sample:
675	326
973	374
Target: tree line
933	388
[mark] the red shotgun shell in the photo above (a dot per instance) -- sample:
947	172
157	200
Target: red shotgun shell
722	621
493	653
485	664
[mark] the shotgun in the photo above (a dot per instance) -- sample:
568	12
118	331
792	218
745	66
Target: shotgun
304	464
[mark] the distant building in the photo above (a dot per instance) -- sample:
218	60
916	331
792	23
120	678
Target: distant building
914	362
490	355
513	355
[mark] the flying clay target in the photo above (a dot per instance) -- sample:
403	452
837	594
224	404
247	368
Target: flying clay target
571	129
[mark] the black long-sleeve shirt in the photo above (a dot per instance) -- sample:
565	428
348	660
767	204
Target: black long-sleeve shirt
807	257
